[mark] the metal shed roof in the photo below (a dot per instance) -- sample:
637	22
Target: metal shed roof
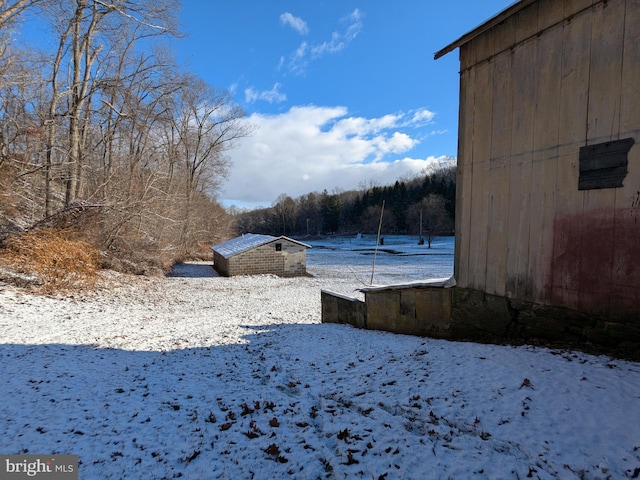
247	242
492	22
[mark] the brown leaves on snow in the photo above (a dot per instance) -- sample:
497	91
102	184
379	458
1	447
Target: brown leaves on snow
344	435
211	418
274	452
526	383
225	426
246	410
254	431
192	457
350	459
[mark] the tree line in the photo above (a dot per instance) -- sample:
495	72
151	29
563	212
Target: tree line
105	120
427	201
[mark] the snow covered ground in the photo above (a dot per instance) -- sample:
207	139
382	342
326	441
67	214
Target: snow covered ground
198	376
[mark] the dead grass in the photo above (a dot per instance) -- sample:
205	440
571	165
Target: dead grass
59	261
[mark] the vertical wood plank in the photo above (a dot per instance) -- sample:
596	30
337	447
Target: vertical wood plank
630	99
464	176
464	171
603	120
550	12
573	7
482	123
524	94
545	151
526	21
603	124
626	259
574	93
499	165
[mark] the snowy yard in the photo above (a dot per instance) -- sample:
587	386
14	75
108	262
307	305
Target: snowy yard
198	376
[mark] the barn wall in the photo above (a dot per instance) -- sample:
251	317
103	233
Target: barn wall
556	76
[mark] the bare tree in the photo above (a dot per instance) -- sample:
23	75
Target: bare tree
19	132
11	10
286	209
429	217
88	33
206	124
107	119
309	212
371	219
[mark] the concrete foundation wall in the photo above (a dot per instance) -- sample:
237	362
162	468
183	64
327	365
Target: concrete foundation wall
420	311
337	308
471	315
414	311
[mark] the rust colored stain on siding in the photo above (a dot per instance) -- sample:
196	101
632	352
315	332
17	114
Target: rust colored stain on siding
595	263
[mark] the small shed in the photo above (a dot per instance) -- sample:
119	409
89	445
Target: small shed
253	254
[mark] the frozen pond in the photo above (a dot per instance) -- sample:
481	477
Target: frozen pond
399	259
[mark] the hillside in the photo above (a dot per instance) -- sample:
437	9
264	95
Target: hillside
427	200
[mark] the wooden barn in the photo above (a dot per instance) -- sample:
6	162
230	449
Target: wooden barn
252	254
548	176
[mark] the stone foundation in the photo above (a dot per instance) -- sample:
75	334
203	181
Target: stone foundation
478	316
470	315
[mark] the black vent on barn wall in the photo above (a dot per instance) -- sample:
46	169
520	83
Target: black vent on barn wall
604	165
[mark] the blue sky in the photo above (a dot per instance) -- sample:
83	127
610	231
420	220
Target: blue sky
340	94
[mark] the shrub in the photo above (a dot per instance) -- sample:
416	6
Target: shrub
59	262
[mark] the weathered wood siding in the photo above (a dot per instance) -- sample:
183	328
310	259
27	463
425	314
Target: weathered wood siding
556	76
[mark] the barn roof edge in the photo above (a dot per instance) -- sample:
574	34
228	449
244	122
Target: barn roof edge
492	22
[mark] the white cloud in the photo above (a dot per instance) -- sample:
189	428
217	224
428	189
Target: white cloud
297	61
397	143
339	41
362	126
354	25
272	96
296	23
311	148
422	117
433	133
